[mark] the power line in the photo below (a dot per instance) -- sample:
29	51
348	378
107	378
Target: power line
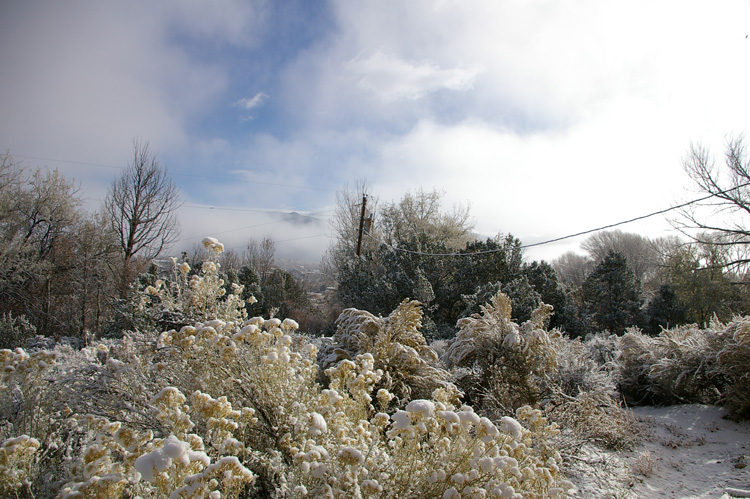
180	174
570	236
64	161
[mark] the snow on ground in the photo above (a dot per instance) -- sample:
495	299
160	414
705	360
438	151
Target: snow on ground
687	451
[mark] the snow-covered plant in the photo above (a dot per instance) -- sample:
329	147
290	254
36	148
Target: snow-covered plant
14	331
604	349
189	297
593	417
677	366
734	364
300	438
509	365
233	408
17	457
24	390
688	364
410	367
118	461
584	399
262	421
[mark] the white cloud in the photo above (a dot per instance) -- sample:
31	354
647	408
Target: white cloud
548	117
391	78
250	103
88	78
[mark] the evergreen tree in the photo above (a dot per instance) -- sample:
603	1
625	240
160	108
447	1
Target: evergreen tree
543	277
612	295
665	310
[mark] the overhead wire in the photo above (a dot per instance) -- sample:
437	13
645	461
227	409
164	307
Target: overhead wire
257	210
403	250
182	174
570	236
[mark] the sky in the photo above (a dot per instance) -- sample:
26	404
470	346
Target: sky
546	118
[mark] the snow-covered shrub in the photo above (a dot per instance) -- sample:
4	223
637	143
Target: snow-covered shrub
186	298
593	417
689	365
584	399
232	408
17	457
410	367
578	372
14	331
24	392
677	366
604	349
505	365
118	461
300	438
734	364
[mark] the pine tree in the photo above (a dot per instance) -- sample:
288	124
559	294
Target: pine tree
665	310
612	295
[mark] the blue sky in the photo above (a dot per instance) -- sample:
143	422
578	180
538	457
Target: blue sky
545	117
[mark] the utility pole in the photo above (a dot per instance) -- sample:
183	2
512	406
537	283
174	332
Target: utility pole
361	224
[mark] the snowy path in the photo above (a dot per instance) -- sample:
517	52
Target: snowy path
688	451
692	453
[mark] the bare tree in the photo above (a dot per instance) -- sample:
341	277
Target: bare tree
260	257
725	211
641	253
345	225
142	205
573	269
230	260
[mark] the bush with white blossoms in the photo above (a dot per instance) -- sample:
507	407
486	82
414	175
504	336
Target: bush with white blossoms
186	297
232	407
303	439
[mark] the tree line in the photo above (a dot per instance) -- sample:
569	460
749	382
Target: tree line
75	275
68	273
620	280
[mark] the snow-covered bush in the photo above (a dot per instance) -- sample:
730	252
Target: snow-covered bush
16	462
14	331
186	298
504	365
585	398
410	367
334	441
734	363
677	366
233	408
689	365
25	392
275	428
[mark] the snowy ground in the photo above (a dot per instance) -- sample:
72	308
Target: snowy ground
688	451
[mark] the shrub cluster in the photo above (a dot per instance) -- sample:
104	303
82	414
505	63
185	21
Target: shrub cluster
689	365
225	406
233	407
